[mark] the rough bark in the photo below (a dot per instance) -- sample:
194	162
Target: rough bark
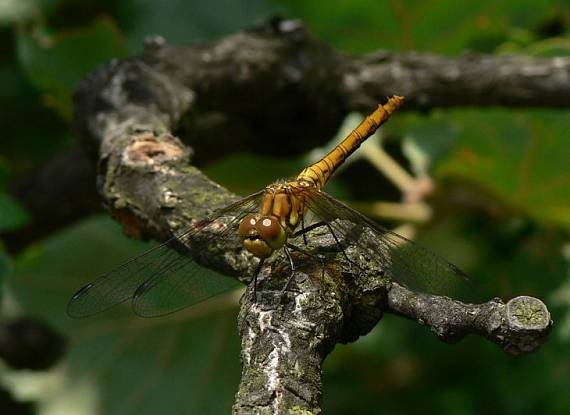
519	326
277	90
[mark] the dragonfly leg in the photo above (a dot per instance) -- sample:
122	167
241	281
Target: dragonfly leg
257	271
309	228
292	265
337	241
307	253
303	231
310	255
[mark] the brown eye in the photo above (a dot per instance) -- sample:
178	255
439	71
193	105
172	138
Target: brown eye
247	225
269	228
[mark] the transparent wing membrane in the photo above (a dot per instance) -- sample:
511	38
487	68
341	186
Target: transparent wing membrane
165	278
184	286
404	261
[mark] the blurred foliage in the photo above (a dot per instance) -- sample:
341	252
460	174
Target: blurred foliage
519	156
433	26
527	168
13	215
55	63
501	212
4	270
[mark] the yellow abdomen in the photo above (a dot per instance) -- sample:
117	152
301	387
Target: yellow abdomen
320	172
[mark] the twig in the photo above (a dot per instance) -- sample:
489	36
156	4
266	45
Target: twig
391	169
519	326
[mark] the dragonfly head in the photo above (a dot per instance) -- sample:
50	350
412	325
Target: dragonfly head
261	235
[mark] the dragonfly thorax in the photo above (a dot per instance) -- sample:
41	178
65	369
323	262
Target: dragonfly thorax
280	213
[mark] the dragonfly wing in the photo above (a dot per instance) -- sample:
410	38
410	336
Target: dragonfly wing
405	261
119	284
171	291
166	268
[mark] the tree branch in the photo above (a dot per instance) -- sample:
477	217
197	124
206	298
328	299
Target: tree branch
284	92
519	326
472	79
285	339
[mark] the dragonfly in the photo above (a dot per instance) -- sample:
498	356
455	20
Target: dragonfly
164	280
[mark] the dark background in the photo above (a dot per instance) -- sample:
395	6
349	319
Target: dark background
501	211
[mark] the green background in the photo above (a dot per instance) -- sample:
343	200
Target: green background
501	212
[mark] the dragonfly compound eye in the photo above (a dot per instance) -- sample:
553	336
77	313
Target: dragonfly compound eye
271	231
247	226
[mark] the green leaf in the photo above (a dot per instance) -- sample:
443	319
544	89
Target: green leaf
427	139
55	63
561	297
11	214
181	21
444	26
521	157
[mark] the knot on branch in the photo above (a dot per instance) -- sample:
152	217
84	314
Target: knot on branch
147	150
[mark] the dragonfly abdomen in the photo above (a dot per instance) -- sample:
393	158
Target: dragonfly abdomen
320	172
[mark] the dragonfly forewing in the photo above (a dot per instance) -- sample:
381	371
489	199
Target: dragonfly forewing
166	278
